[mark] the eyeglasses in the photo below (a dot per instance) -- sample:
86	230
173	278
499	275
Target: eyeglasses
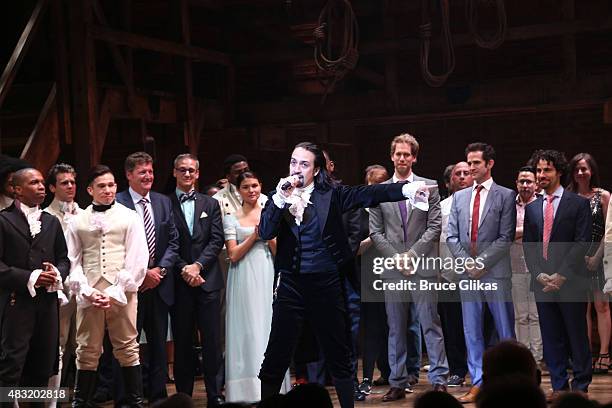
184	170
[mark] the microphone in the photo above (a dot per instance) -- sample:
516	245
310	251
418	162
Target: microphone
287	185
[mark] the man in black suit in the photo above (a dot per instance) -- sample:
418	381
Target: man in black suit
33	263
198	281
156	295
556	230
305	213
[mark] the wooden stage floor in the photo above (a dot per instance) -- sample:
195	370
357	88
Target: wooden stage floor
600	390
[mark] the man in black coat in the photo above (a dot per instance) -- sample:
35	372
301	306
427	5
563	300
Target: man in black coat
305	214
33	263
198	281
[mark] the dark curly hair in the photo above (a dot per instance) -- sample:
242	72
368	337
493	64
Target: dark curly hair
554	157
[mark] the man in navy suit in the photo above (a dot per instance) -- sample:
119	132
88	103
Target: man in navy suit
556	231
156	293
481	229
198	281
305	213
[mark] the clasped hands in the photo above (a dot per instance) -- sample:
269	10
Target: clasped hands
551	283
191	275
99	299
48	277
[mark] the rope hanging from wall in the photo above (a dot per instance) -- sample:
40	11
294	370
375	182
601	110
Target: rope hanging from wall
471	15
425	33
335	58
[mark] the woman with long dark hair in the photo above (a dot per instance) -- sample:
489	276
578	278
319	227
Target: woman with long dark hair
250	284
584	180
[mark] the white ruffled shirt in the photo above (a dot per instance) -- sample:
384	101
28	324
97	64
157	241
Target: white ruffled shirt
32	215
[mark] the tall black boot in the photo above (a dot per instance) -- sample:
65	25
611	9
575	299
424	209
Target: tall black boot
132	378
85	385
345	390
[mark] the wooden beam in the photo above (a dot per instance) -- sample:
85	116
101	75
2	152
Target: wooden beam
111	104
10	71
120	63
137	41
87	148
522	91
459	40
61	73
43	146
607	112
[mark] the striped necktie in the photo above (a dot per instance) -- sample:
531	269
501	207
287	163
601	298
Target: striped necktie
149	227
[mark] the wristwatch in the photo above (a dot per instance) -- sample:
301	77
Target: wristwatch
162	272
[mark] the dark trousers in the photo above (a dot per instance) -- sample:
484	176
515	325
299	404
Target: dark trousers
319	299
376	334
29	340
564	334
317	369
153	318
194	308
449	308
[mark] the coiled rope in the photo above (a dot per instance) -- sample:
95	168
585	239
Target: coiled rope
335	68
471	15
448	53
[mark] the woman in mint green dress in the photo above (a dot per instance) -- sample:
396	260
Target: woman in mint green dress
250	287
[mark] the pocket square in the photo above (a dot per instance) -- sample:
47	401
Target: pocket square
203	215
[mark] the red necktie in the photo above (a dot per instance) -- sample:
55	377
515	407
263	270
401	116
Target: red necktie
549	217
475	220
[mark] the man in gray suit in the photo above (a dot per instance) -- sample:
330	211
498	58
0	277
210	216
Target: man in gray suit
481	229
400	228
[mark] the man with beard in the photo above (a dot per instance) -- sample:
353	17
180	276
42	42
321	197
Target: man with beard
556	232
305	214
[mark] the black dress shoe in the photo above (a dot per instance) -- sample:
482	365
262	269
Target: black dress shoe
380	382
216	401
394	394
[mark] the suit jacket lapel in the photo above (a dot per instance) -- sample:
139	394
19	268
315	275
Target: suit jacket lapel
157	214
321	202
490	197
394	206
176	207
198	207
126	199
18	220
